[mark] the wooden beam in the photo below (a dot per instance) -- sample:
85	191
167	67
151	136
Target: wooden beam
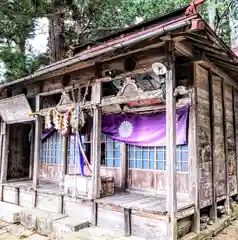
123	166
5	151
37	152
125	99
171	178
184	49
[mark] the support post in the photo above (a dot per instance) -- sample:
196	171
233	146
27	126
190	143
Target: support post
235	119
227	201
193	157
37	152
123	166
96	148
171	179
5	151
96	145
213	210
31	152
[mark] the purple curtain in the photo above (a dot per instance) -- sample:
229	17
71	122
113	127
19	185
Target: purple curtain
47	133
145	129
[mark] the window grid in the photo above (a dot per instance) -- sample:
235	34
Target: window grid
110	152
52	149
154	158
73	150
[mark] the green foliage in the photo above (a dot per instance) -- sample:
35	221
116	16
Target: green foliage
83	21
19	65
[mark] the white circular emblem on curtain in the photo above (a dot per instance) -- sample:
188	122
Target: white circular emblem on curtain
125	129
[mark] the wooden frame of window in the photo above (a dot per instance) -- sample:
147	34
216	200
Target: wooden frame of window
110	156
154	158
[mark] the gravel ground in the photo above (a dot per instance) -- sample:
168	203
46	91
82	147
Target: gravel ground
17	232
229	233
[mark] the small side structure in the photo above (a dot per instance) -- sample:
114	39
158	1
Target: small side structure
137	133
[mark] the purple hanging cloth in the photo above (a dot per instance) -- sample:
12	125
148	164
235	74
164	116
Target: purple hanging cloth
47	133
145	129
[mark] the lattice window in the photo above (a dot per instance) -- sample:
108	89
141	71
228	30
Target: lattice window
52	149
73	151
154	158
110	152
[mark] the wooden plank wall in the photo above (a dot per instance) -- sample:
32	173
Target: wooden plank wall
217	155
204	136
230	137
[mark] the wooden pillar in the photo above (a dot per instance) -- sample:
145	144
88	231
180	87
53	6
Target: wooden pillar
213	210
65	156
171	179
235	119
96	148
31	152
193	160
227	201
5	151
123	166
37	152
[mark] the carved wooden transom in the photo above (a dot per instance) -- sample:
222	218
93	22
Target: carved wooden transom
129	88
65	99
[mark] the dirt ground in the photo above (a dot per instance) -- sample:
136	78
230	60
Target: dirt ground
230	233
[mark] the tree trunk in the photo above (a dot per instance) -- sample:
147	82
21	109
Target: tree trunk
212	14
233	21
57	46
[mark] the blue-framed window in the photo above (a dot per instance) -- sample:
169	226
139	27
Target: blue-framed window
52	149
110	152
154	158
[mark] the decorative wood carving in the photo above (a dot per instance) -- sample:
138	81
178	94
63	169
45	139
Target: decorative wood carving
64	100
129	88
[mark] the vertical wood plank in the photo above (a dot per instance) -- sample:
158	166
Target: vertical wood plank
5	151
213	212
65	155
235	112
96	148
96	151
37	150
127	222
123	166
1	140
171	179
32	152
193	160
227	203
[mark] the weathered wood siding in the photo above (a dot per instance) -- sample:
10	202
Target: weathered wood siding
230	137
155	180
218	130
204	136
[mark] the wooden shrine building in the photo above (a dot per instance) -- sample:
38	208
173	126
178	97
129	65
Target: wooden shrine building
159	189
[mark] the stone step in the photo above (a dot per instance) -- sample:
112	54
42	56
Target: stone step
10	213
40	220
68	225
